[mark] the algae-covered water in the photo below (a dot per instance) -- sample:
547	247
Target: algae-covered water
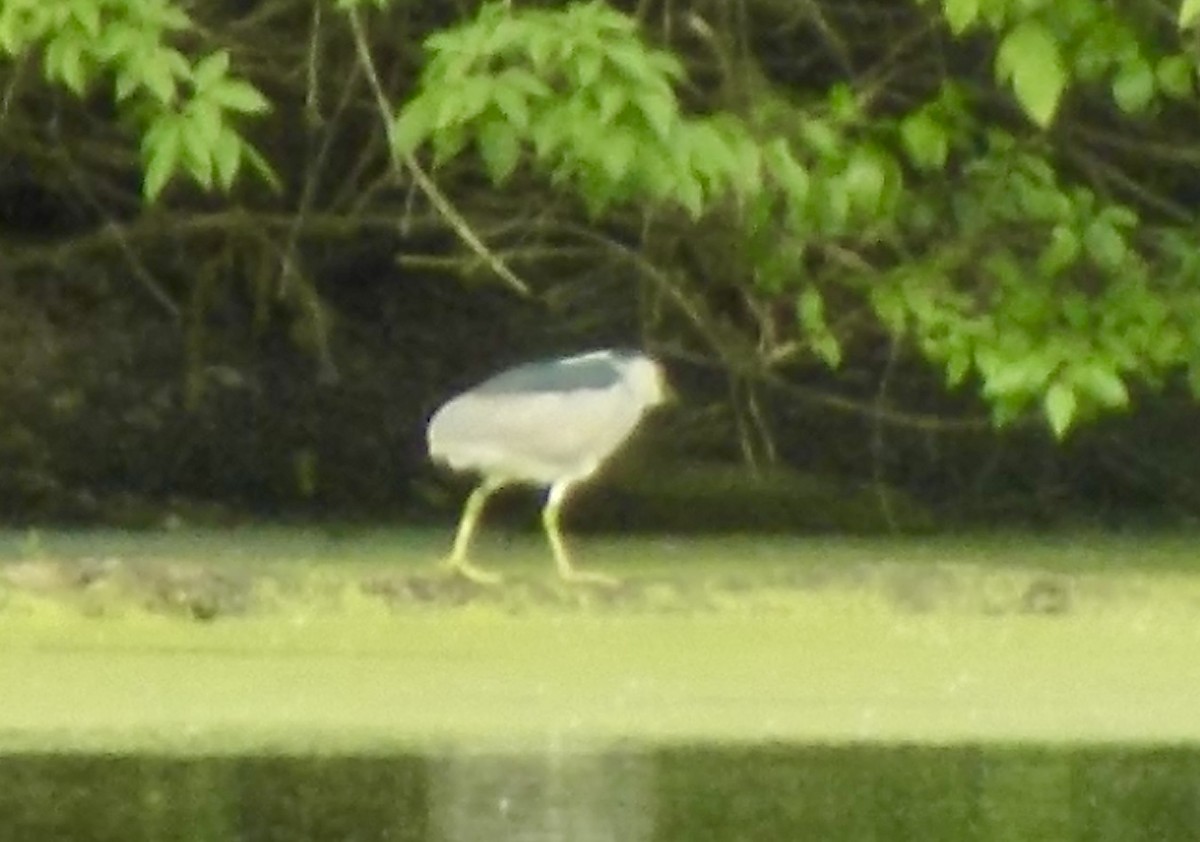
275	684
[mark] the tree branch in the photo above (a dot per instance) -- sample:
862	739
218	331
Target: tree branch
439	201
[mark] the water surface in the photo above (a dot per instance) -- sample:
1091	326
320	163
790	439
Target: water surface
624	794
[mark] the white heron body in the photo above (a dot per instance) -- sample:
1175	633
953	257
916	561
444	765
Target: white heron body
550	423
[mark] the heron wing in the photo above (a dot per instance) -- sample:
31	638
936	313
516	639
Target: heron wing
592	371
533	436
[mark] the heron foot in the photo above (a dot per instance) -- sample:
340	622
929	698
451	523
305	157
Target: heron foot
475	574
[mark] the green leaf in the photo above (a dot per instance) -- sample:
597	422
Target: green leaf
1176	76
1029	57
1133	86
87	14
64	60
128	82
542	48
1120	216
633	62
12	39
23	23
689	193
169	16
1102	384
718	156
667	65
810	308
958	365
162	146
447	143
1105	245
552	132
821	137
660	111
521	79
210	69
828	349
656	181
504	33
863	180
888	302
500	147
830	206
586	66
617	154
597	191
960	14
612	99
747	174
1062	251
1009	372
227	157
119	39
197	156
1076	310
843	103
413	124
261	166
1006	411
464	102
925	140
1060	405
790	173
204	123
1189	13
513	105
605	19
1039	199
158	75
239	96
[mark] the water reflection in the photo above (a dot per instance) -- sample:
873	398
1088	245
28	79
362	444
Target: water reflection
559	793
580	794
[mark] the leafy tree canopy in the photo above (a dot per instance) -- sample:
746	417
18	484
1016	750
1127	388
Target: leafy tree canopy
984	235
1006	186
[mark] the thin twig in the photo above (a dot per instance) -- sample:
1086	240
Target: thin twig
116	231
766	437
878	447
316	165
427	185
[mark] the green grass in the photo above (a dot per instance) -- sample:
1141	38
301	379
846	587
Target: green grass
734	639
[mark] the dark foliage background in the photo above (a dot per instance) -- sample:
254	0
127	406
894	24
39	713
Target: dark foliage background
276	355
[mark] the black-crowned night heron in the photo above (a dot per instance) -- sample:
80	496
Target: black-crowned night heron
551	423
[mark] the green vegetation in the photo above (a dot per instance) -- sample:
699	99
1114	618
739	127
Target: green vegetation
907	222
959	231
962	210
184	108
1084	640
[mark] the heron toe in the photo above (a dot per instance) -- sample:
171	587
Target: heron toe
473	572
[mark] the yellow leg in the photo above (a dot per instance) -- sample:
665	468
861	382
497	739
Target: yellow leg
467	525
550	520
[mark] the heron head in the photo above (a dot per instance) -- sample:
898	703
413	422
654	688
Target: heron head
649	381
